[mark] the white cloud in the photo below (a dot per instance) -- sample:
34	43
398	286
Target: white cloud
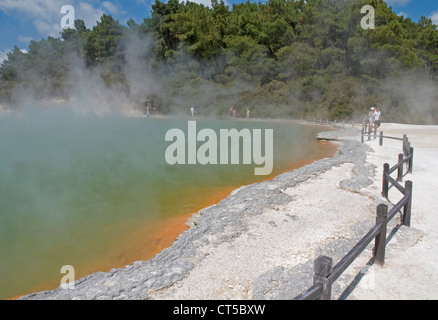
46	28
434	17
45	15
3	56
403	14
31	8
110	7
85	11
24	39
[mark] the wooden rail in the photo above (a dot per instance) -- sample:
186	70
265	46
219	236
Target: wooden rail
399	167
325	274
406	143
367	130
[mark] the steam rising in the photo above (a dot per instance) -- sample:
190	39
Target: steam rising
403	96
411	96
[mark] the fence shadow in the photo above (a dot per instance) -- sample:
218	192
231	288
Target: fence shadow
325	275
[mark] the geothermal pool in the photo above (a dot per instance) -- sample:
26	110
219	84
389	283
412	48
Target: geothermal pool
95	192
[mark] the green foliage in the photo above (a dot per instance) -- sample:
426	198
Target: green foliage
280	58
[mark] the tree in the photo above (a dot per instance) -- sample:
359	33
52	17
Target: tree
104	39
302	57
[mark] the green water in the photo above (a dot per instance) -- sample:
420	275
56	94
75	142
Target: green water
72	187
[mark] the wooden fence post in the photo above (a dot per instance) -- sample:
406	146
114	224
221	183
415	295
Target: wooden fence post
381	139
411	160
380	241
400	167
385	184
322	267
408	205
405	143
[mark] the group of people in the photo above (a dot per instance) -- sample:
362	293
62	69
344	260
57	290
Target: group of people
374	116
233	112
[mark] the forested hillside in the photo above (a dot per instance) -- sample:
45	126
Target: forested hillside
279	59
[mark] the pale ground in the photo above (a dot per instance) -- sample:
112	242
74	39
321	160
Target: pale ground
411	270
278	238
227	270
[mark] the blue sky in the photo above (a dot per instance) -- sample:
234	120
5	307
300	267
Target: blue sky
24	20
414	9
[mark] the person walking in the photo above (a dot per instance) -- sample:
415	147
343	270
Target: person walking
371	119
233	112
377	116
147	109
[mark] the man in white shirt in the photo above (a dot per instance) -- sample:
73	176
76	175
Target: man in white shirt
377	115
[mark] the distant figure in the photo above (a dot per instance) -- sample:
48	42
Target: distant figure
377	116
371	118
247	113
234	113
365	121
147	109
192	111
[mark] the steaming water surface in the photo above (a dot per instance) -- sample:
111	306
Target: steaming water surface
73	188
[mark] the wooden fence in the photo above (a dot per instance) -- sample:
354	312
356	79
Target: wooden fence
368	131
388	181
325	274
373	135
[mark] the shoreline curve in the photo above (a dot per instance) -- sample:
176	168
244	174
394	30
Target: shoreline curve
219	223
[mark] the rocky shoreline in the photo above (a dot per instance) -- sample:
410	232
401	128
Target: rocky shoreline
220	229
